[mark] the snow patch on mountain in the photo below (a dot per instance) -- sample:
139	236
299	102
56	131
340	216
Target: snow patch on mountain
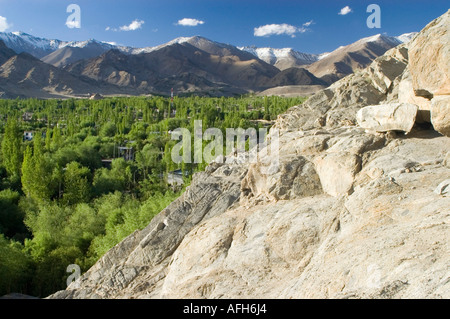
23	42
40	47
274	56
381	38
406	37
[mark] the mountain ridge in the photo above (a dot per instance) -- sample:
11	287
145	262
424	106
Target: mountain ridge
355	56
146	70
23	42
190	64
23	75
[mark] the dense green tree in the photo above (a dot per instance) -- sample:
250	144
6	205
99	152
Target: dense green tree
50	273
108	130
36	172
148	158
11	147
28	171
83	225
48	139
56	138
110	180
76	184
15	267
11	216
88	155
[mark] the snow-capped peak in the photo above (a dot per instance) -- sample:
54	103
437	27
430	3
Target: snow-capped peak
24	42
272	55
381	38
373	38
406	37
18	33
178	40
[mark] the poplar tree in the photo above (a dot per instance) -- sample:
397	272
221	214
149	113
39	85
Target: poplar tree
27	171
48	139
36	176
56	138
11	147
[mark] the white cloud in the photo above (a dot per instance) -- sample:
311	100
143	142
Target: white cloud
135	25
4	25
345	10
307	24
188	22
278	29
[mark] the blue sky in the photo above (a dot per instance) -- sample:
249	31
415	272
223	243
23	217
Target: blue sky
307	26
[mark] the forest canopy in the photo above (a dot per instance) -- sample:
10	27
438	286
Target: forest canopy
77	176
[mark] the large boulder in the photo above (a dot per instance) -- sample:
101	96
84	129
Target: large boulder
337	172
387	117
406	94
429	56
440	114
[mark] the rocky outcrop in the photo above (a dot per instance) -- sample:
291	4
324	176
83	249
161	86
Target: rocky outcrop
137	265
430	70
429	55
335	211
338	104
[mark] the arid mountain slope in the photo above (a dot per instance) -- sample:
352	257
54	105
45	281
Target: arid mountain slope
70	54
356	56
23	75
5	53
146	70
294	76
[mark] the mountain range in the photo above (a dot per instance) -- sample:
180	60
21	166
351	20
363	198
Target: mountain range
39	67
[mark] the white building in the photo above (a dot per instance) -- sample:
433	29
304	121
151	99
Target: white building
27	135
